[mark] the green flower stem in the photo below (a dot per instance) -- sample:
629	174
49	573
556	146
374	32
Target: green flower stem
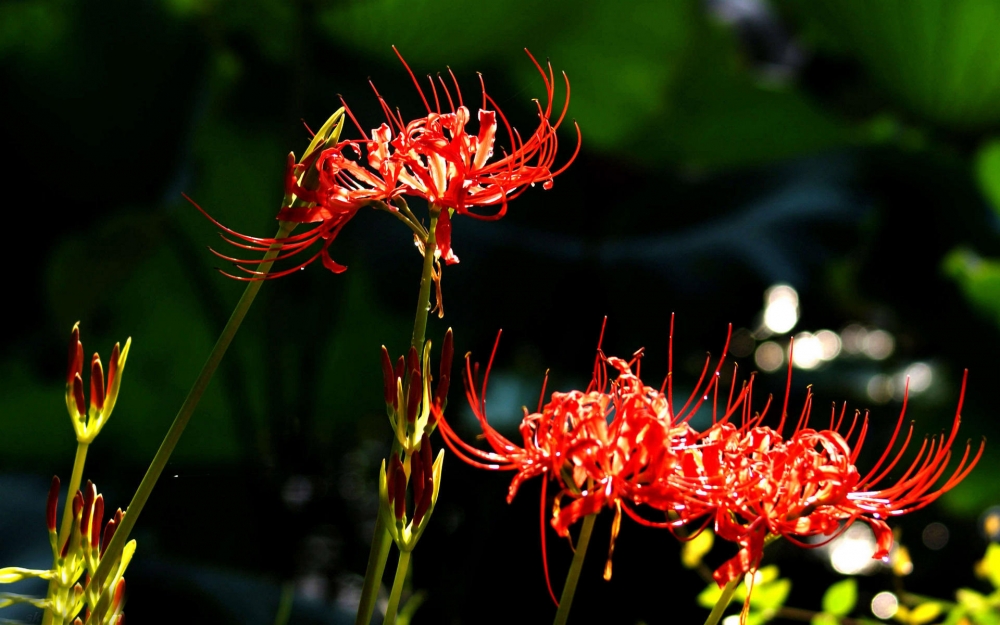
397	588
184	414
723	602
381	540
569	588
67	519
379	553
426	278
285	604
74	485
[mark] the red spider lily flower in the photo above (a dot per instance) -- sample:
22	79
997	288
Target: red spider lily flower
809	484
451	168
344	187
432	157
605	447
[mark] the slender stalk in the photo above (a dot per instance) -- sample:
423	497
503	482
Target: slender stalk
426	278
379	553
285	604
184	414
381	540
569	588
723	602
397	588
67	519
74	485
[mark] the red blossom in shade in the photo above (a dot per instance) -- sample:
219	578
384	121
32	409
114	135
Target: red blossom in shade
432	157
809	484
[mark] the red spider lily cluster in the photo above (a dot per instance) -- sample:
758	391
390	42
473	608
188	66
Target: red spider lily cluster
433	157
621	444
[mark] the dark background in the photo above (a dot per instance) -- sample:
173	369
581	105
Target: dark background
842	147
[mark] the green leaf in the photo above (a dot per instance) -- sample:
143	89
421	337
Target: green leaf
939	59
975	606
824	619
695	549
988	172
771	596
971	600
990	565
652	81
710	596
924	613
979	279
841	598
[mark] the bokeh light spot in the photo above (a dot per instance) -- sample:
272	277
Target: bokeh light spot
884	605
879	344
807	351
935	536
781	311
851	553
769	356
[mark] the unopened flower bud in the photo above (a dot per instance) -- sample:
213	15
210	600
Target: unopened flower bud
81	402
400	368
116	603
75	355
109	530
109	533
77	504
96	383
52	504
398	489
390	479
417	476
388	379
113	365
89	495
95	524
422	502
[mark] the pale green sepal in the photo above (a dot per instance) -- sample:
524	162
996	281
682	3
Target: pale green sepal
8	599
425	413
841	597
400	425
112	396
13	574
328	133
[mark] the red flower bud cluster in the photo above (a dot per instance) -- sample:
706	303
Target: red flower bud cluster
623	445
421	478
412	403
81	553
103	394
432	157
